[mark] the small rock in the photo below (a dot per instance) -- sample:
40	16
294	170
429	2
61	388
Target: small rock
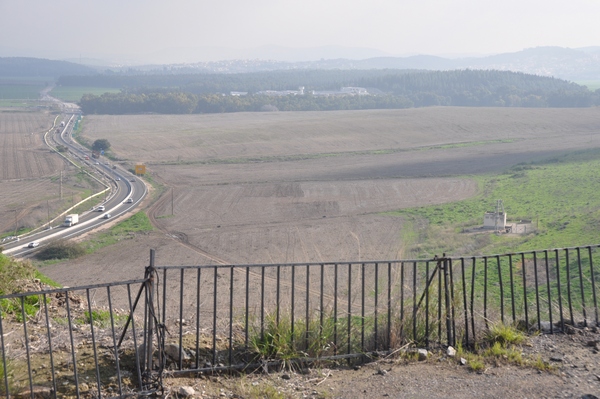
463	361
451	351
186	391
285	377
556	359
172	350
355	368
83	387
423	354
382	372
38	392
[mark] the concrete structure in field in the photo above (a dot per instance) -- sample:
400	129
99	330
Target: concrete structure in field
495	220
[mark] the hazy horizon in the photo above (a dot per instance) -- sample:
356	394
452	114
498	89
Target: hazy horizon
155	31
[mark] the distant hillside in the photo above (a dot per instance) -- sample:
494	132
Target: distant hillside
37	67
558	62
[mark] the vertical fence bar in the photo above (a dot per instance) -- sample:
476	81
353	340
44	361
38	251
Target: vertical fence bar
293	298
231	315
585	322
27	349
414	312
198	299
164	319
593	278
321	300
447	302
73	357
214	332
247	304
537	291
51	349
501	288
134	335
277	295
402	299
560	308
376	305
389	305
452	307
99	383
548	287
114	338
569	299
5	369
262	302
335	309
349	299
464	290
525	303
427	304
512	288
485	291
181	280
362	307
307	310
472	304
439	315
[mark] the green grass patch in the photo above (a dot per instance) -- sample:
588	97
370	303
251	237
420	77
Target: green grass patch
74	93
138	223
558	195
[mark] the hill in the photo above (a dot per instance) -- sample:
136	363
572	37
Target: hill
36	67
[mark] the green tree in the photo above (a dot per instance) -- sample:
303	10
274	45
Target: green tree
101	145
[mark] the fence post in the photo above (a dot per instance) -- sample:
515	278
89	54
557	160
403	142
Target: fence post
149	324
449	335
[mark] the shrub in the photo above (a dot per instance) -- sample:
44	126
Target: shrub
61	250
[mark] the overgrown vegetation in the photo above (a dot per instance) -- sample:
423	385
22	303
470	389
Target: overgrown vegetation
59	250
557	195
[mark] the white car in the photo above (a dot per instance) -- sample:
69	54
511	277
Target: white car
100	208
33	244
129	201
106	216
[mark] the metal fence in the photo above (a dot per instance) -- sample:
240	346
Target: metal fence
210	318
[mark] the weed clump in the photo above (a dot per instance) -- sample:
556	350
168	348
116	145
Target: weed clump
61	250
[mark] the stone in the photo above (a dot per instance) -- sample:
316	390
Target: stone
463	361
423	354
285	377
172	350
38	392
186	391
451	351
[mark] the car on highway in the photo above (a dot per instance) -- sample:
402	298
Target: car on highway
33	244
129	201
106	216
118	179
100	208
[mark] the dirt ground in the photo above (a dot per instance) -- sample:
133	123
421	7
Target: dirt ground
574	360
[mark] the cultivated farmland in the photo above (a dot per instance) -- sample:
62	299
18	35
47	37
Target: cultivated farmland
301	187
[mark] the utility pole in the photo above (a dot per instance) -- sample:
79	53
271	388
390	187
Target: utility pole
172	213
60	187
48	208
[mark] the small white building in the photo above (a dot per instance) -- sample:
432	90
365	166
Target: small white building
494	220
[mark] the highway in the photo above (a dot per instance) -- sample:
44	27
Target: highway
124	191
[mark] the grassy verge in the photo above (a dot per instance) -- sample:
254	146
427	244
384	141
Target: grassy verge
126	229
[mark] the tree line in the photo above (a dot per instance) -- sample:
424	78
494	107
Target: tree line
185	94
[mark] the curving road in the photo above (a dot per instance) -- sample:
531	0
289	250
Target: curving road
124	191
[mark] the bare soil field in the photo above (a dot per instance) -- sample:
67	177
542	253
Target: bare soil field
301	187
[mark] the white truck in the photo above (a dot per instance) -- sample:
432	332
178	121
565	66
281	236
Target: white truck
71	220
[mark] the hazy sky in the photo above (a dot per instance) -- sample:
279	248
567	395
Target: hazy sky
99	28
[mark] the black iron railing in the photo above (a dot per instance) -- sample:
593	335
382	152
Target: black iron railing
106	340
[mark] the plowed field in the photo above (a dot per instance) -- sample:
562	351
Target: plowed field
302	187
